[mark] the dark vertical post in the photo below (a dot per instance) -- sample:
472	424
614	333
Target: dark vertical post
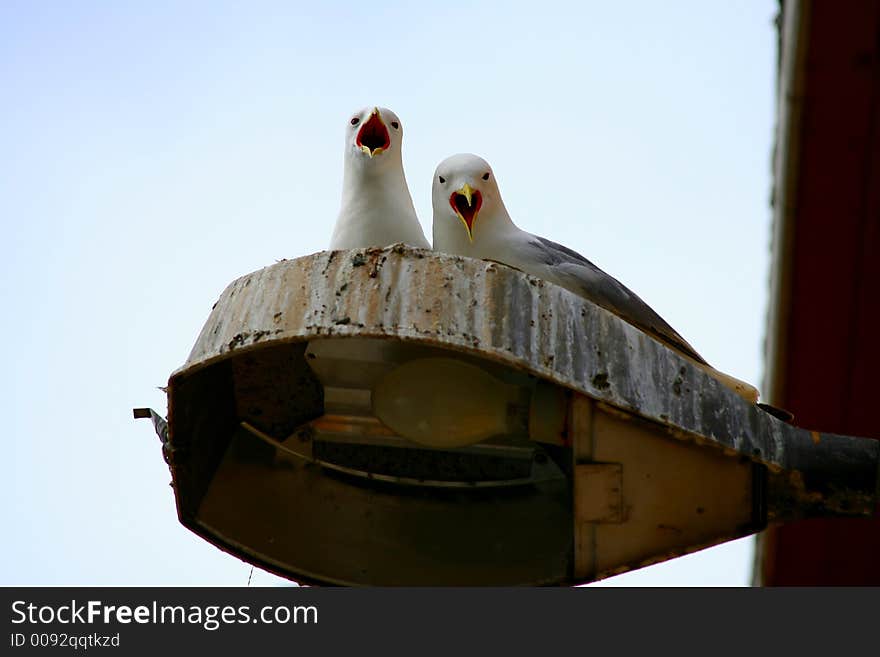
823	354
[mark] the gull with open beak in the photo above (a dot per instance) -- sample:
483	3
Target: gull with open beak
377	209
470	220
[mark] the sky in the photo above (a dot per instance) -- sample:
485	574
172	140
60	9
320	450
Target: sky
152	152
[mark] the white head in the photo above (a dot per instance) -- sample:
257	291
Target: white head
467	202
373	138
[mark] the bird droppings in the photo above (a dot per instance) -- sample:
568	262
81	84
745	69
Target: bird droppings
600	381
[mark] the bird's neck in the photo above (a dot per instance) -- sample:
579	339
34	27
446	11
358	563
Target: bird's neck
492	231
497	222
360	178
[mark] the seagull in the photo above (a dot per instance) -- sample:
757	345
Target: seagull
470	220
377	209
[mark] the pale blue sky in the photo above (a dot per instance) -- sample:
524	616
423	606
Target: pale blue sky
154	151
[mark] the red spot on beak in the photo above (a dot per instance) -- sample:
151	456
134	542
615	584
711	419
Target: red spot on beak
374	135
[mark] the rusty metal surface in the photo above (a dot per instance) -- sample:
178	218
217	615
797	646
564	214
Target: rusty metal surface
598	492
495	311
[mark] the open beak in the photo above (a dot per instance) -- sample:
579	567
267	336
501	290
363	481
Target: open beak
373	137
466	203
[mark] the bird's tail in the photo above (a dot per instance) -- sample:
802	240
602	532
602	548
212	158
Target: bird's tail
745	390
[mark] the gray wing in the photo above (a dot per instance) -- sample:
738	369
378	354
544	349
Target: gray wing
582	276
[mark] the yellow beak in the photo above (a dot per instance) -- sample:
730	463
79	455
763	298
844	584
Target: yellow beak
468	192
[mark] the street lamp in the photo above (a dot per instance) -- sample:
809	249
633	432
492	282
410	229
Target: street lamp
402	417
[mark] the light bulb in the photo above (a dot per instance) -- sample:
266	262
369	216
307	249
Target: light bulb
444	402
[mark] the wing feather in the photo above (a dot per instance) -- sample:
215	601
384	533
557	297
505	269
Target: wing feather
581	276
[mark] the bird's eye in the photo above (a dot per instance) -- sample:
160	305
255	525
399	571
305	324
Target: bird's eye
442	179
395	125
355	120
486	176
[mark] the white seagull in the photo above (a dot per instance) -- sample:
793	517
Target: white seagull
470	220
377	209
